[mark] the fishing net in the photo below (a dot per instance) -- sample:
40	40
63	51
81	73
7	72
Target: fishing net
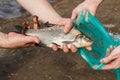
93	28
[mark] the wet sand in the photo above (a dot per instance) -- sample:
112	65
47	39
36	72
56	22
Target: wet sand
38	63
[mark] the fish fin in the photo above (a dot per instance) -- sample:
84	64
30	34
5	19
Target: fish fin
67	42
47	24
56	44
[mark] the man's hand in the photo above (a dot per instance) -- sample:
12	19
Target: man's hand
68	24
90	5
113	60
14	40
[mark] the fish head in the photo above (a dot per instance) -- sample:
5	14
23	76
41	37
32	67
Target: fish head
83	41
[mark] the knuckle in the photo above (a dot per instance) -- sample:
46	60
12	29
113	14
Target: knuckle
74	11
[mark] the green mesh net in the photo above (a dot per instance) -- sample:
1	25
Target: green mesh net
93	28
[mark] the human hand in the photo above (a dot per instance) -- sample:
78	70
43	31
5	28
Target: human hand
15	40
68	25
113	60
90	5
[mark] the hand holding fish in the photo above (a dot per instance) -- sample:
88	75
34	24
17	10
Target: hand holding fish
42	9
15	40
90	5
68	25
113	60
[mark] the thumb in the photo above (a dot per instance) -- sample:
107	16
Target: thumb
74	15
32	39
109	66
68	26
93	12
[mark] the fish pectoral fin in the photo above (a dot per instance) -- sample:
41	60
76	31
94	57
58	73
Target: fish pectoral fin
67	42
56	44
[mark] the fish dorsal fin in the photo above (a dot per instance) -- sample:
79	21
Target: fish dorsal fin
56	44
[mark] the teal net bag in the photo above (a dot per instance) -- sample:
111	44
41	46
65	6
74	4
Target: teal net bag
93	28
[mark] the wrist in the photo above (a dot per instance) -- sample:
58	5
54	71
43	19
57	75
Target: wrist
54	20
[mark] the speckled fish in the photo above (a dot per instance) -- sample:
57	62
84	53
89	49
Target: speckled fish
55	35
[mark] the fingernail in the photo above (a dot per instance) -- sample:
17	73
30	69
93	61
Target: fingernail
37	40
65	30
65	48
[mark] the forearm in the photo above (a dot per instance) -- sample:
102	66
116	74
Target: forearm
42	9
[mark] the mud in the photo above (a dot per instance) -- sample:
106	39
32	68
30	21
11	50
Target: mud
38	63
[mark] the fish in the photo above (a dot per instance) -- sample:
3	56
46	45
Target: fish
50	34
55	35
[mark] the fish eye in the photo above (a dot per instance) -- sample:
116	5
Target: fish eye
80	36
87	39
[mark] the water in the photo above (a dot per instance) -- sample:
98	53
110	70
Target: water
12	9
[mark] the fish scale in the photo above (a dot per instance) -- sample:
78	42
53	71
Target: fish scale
54	35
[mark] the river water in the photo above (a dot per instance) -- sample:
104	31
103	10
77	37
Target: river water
12	9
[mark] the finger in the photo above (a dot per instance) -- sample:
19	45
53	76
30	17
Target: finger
107	59
54	47
112	65
108	67
65	48
116	51
29	44
23	38
11	33
68	26
114	55
32	39
74	15
73	48
89	48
